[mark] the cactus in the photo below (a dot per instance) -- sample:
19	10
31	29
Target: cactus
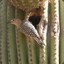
61	32
25	4
16	48
55	31
11	36
43	57
3	38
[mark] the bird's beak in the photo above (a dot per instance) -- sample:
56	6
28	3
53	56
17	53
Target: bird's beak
10	22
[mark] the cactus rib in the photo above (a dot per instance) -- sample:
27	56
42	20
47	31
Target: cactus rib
55	31
44	32
61	49
12	50
21	41
0	36
4	32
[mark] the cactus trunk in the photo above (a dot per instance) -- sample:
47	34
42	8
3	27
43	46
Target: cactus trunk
16	48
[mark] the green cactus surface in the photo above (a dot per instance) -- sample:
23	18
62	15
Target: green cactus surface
16	48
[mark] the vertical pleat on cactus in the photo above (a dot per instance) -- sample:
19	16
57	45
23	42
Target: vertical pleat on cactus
11	36
55	32
4	54
21	41
43	51
61	17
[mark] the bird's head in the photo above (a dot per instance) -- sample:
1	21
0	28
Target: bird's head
16	22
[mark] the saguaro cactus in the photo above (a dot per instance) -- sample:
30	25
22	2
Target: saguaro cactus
16	48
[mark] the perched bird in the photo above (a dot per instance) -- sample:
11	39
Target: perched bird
27	29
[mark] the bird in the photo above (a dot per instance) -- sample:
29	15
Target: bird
27	28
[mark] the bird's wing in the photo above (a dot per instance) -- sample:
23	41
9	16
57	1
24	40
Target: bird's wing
28	29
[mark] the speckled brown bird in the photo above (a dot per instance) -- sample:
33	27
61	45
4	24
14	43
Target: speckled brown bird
27	29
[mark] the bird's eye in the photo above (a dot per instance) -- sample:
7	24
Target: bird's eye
13	19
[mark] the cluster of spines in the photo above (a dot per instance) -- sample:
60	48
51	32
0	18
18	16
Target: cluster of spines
25	4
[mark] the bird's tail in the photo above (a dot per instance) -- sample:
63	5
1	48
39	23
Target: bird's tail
39	42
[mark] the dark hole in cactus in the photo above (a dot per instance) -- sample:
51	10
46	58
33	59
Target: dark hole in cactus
35	20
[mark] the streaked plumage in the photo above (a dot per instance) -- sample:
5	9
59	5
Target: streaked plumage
27	29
